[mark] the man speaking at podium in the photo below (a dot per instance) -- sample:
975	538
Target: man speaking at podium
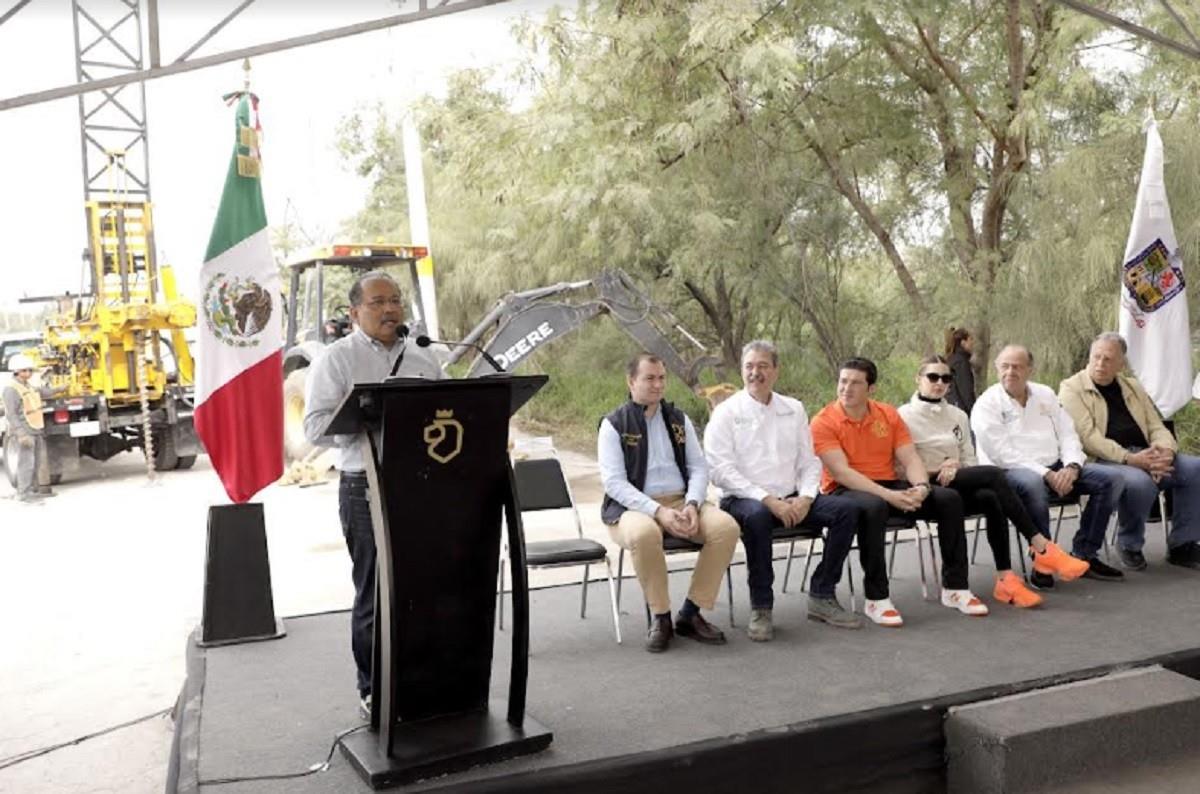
378	347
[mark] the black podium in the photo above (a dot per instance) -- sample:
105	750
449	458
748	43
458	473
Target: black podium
440	481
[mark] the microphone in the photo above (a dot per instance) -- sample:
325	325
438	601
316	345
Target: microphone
425	341
401	333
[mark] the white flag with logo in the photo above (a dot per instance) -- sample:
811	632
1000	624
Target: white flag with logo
1153	314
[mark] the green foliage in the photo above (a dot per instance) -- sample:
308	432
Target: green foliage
587	380
1187	428
841	176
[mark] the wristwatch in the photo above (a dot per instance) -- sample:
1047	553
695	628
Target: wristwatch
926	485
1075	466
692	503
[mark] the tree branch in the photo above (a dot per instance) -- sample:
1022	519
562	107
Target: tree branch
955	77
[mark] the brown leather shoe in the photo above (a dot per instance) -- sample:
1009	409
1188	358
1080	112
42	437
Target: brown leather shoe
659	636
700	630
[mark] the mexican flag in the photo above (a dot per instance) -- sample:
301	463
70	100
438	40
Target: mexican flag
1153	315
239	379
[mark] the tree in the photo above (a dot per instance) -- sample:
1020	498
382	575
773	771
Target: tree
844	174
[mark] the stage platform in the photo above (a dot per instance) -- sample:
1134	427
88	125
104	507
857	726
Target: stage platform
817	709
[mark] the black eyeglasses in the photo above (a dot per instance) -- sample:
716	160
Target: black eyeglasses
934	377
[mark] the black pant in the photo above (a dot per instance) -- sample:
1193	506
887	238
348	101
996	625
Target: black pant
984	489
354	510
943	506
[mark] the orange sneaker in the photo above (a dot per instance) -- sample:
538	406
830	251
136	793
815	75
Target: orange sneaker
1010	589
1056	561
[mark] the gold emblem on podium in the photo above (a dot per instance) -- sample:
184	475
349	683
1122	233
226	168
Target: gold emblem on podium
437	431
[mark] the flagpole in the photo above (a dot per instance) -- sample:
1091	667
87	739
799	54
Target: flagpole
239	391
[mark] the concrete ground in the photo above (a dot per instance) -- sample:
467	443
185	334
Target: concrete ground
100	587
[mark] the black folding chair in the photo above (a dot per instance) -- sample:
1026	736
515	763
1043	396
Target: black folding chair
541	485
1062	503
925	529
791	535
673	545
1056	502
1160	513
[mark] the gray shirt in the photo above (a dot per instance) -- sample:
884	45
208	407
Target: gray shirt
662	472
356	358
14	411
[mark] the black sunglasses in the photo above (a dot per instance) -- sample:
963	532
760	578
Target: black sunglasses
934	377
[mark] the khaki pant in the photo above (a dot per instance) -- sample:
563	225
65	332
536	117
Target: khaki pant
643	537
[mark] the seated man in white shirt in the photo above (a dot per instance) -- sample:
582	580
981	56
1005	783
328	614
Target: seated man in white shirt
655	480
761	457
1020	426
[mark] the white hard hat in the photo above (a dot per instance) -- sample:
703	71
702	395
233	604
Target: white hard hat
19	362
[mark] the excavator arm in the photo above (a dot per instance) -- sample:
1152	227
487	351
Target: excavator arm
523	322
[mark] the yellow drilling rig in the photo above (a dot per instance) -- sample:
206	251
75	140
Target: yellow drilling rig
118	373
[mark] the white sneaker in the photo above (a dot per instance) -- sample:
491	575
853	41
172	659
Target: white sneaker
964	601
884	613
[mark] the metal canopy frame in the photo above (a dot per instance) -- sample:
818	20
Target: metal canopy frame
112	122
425	10
134	71
1138	30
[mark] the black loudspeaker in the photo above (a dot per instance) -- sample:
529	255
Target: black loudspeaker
238	606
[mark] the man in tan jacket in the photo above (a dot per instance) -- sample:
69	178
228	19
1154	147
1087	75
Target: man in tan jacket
1120	427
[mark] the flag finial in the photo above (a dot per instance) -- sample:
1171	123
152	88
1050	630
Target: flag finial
246	69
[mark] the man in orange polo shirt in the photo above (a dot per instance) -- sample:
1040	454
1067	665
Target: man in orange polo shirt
862	444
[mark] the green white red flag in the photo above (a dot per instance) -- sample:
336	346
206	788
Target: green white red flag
239	377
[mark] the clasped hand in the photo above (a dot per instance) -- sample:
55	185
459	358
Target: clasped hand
1063	480
1158	462
908	500
790	511
683	523
946	472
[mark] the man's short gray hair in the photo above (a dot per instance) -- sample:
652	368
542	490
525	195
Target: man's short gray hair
1113	337
356	291
761	346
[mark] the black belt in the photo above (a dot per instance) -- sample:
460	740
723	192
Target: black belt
354	475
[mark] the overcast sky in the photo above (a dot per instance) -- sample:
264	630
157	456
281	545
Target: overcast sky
305	92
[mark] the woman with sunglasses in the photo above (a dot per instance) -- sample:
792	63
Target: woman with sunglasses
942	435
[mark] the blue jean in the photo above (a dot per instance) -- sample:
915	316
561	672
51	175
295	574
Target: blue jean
354	510
1101	485
1138	497
758	522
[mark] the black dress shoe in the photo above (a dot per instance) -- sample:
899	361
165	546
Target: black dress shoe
1102	571
659	636
1041	581
1133	560
699	629
1186	555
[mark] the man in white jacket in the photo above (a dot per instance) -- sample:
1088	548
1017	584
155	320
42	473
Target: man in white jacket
760	455
1021	426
